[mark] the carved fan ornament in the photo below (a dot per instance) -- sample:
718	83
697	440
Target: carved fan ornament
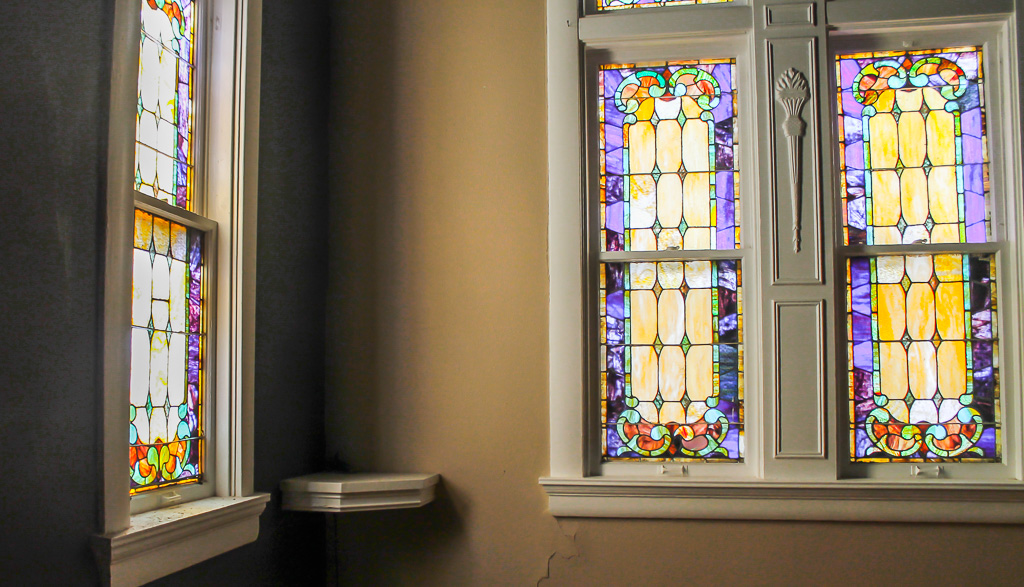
791	91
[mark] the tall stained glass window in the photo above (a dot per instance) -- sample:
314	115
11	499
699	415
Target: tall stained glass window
168	322
620	4
670	324
922	344
167	349
164	150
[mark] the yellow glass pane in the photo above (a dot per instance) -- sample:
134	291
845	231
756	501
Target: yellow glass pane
883	141
922	369
643	201
892	312
953	375
671	316
949	308
912	144
699	367
920	312
914	195
885	187
695	137
670	200
670	144
645	373
641	147
696	199
672	373
893	369
941	138
643	316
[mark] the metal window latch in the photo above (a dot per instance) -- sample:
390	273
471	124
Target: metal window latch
672	470
169	498
931	471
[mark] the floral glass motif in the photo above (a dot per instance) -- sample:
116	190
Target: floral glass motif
164	149
671	360
912	146
167	348
923	358
668	178
620	4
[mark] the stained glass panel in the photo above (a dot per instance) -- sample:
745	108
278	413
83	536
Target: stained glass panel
620	4
923	357
671	360
668	176
912	146
167	340
164	166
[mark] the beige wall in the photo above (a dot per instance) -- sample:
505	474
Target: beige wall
437	336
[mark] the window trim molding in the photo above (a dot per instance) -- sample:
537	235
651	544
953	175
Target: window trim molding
778	491
231	167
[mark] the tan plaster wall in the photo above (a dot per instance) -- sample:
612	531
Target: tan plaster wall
437	337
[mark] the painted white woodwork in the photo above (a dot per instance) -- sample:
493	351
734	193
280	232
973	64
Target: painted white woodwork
160	542
355	492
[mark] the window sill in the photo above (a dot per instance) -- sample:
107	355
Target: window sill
356	492
854	500
164	541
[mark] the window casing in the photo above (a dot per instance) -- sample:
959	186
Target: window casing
208	518
796	463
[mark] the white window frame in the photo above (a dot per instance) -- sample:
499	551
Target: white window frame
788	476
170	529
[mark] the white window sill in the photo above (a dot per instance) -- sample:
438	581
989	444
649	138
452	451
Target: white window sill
164	541
355	492
854	500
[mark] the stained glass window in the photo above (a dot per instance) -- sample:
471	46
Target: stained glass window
164	166
620	4
668	176
912	146
670	355
671	360
923	367
167	340
923	357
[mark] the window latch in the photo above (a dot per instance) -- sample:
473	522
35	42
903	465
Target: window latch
679	470
930	471
172	497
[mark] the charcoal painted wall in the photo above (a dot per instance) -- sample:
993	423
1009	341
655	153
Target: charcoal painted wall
55	60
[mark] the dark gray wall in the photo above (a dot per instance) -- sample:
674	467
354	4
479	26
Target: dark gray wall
55	60
53	99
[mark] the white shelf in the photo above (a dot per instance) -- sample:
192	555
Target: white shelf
354	492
